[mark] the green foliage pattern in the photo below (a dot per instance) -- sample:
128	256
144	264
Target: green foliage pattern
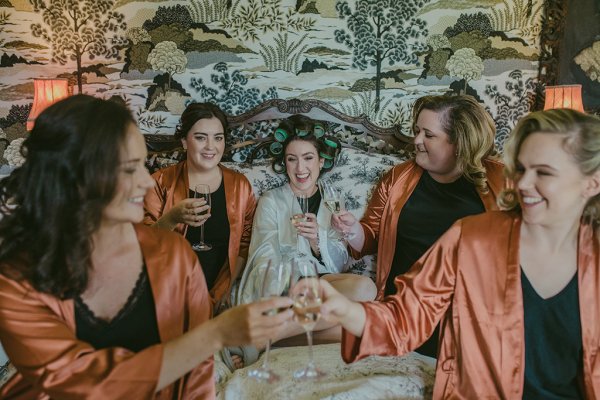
230	92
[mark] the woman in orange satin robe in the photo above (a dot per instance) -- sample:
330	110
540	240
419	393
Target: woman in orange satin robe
518	291
171	205
94	304
454	139
454	174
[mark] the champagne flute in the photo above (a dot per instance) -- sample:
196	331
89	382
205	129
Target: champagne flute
302	200
333	199
275	283
305	292
202	191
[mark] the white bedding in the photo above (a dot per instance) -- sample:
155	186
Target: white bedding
407	377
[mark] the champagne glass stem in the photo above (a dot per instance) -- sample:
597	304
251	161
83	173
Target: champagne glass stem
202	234
266	358
309	339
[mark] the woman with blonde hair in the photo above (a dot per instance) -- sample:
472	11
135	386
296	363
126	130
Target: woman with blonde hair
454	174
517	291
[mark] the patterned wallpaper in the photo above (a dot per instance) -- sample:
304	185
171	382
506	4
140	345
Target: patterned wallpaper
372	57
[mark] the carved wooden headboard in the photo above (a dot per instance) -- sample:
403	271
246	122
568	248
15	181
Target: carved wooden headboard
319	110
250	129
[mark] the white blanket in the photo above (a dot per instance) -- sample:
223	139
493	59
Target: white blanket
407	377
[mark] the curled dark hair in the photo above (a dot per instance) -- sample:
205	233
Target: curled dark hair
300	127
197	111
53	203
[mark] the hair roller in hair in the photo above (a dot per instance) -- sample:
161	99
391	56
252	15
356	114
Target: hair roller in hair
318	130
276	148
301	132
280	135
330	143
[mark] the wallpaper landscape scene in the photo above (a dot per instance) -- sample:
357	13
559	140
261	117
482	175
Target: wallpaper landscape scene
370	57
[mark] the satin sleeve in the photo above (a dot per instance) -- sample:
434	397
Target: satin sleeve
405	320
249	211
199	382
49	356
264	246
372	218
154	201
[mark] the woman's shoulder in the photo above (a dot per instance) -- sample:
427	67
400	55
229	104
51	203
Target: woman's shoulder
404	167
235	177
273	197
493	163
157	238
277	192
169	173
401	171
482	222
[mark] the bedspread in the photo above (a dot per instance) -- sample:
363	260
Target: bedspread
407	377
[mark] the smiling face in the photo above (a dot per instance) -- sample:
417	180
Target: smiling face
205	144
134	180
551	188
435	153
303	165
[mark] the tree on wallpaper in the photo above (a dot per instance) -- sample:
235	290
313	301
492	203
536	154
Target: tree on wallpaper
75	28
511	106
165	56
249	22
230	93
382	30
4	16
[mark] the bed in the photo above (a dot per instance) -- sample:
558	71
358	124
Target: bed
368	152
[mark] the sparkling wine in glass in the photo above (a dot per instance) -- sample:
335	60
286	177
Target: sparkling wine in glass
202	191
275	283
305	292
332	198
302	201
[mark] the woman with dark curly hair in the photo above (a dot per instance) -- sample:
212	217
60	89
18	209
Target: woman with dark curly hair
94	304
454	174
303	151
517	291
228	223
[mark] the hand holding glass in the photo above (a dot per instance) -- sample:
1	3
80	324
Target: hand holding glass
275	283
305	292
332	198
202	192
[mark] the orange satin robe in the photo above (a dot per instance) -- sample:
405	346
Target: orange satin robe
37	331
470	280
388	199
172	187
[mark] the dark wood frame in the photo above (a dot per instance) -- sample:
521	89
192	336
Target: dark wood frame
282	108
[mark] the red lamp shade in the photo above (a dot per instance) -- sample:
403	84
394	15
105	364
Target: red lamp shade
46	92
564	96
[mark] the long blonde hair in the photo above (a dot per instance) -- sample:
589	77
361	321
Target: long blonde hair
582	141
468	126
